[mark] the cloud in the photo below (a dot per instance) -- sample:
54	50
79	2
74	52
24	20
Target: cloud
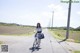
60	14
58	10
78	12
55	7
43	17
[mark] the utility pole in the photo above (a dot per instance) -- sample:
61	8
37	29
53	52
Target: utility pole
68	21
52	18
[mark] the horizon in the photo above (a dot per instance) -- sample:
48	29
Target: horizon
29	12
33	25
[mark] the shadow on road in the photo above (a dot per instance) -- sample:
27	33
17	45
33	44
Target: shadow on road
34	49
62	40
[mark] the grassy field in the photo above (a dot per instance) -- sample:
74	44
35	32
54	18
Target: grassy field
74	36
16	30
1	42
76	51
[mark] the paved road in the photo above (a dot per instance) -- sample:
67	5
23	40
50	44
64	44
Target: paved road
21	44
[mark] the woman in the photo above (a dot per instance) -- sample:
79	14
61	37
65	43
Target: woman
37	40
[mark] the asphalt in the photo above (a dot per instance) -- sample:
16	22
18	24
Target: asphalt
22	44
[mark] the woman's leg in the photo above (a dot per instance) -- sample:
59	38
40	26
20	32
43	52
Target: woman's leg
34	43
39	41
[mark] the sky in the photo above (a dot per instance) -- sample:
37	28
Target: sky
30	12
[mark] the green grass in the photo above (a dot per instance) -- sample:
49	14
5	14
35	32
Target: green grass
76	51
56	34
74	36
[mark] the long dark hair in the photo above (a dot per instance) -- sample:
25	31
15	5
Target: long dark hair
38	25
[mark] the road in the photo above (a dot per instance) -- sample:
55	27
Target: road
21	44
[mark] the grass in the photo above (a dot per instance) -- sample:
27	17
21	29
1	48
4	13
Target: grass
16	30
27	34
1	42
74	36
56	34
76	51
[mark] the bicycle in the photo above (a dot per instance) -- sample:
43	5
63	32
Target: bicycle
37	41
36	44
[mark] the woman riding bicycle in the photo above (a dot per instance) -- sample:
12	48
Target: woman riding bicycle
37	40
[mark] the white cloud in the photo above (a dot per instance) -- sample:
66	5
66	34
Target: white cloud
78	12
43	17
55	7
46	14
60	14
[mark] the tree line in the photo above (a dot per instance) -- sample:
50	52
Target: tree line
14	24
65	28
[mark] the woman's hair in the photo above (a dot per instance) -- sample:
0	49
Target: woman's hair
38	25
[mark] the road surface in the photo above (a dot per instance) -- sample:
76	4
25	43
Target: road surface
21	44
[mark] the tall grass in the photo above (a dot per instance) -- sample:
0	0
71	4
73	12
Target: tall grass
73	35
